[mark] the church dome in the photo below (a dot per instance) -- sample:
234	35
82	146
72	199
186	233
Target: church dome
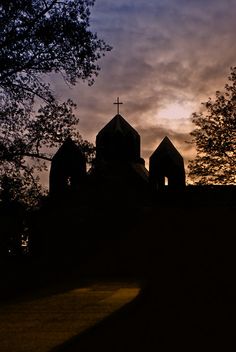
118	141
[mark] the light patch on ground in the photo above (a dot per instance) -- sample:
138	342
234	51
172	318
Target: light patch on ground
41	324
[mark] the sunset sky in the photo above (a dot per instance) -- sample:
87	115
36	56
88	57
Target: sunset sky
168	56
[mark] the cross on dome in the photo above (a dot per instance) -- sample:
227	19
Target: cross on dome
118	103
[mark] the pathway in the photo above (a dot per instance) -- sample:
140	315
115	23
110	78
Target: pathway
38	325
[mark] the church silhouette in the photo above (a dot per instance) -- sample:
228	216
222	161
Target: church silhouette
118	171
109	219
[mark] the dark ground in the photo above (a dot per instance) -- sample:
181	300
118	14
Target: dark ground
188	302
185	255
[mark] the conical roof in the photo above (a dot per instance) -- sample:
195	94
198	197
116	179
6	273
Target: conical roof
167	148
118	141
118	124
68	147
69	155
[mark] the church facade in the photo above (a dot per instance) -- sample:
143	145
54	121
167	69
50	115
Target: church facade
119	170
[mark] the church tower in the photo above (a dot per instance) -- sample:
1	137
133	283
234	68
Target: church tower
119	170
68	169
167	164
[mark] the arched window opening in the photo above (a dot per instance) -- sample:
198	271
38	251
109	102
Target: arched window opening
166	181
68	181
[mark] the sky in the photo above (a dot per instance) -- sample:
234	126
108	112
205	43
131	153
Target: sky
168	56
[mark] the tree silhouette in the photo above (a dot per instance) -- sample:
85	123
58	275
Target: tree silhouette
39	37
215	138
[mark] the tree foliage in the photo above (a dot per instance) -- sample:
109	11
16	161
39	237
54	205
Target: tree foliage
215	138
39	37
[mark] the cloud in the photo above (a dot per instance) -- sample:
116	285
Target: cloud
164	52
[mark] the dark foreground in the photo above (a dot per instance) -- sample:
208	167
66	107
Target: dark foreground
189	301
186	258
